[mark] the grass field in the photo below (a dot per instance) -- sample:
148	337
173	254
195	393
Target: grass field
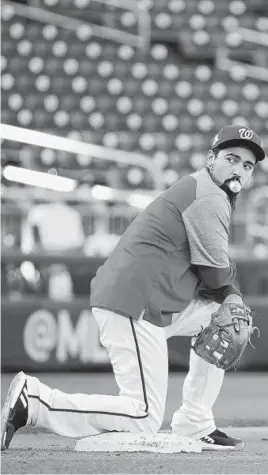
241	403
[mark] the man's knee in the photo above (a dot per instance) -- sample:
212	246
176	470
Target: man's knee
151	424
149	418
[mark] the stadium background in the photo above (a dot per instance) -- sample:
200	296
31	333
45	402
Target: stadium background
127	96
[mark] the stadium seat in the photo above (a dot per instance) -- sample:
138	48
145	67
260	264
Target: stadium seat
156	101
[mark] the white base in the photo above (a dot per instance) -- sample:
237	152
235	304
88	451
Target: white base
128	442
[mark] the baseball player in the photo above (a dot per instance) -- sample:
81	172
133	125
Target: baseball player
168	274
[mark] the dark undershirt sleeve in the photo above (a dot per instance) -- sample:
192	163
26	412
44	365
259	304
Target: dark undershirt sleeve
219	295
215	277
216	284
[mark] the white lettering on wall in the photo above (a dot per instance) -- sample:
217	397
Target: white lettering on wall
40	335
44	332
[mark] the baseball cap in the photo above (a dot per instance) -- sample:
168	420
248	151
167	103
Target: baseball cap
235	135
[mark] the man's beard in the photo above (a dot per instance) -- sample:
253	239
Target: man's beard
231	195
225	187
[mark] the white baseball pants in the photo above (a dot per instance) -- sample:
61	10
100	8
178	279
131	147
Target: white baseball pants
139	356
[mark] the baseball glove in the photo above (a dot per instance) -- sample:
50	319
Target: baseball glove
224	340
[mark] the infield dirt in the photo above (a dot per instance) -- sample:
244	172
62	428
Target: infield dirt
242	402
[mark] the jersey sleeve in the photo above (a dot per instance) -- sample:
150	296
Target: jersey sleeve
207	222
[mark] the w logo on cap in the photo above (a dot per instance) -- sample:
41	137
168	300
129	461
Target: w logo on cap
246	133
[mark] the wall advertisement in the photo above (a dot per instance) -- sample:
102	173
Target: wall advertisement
42	335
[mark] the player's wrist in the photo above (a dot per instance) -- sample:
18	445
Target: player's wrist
231	290
234	298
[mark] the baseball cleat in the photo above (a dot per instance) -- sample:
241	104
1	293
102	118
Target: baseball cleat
15	410
218	440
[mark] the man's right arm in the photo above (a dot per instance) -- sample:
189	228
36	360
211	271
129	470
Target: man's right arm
207	226
215	277
217	285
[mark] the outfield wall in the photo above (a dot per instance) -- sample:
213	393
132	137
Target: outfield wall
41	335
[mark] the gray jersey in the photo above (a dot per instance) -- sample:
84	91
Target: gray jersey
154	266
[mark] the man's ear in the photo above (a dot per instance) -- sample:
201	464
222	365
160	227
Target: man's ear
211	156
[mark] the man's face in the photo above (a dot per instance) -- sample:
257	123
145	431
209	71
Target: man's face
233	162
